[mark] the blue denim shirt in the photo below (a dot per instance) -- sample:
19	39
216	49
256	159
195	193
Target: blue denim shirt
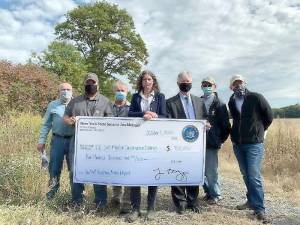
53	119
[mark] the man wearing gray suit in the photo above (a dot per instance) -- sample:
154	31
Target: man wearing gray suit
185	106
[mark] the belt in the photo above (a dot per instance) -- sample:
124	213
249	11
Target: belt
62	136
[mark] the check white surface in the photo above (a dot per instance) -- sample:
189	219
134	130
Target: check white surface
135	152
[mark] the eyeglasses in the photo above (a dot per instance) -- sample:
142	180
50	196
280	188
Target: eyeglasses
206	85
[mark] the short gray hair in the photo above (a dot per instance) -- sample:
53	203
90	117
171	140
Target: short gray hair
184	73
117	83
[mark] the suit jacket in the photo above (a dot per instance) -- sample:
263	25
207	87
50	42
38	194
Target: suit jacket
175	108
158	105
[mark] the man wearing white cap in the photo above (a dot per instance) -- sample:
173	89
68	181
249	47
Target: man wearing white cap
216	113
252	115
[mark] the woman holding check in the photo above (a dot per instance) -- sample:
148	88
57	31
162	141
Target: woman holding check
148	103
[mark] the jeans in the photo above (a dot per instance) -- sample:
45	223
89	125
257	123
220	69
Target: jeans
249	157
58	150
211	182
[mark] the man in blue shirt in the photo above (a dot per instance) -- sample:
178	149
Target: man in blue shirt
61	135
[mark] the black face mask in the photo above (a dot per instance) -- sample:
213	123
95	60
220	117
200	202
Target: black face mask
185	87
90	89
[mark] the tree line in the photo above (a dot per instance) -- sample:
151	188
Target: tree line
292	111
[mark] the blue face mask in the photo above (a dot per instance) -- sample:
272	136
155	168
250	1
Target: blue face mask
65	96
120	96
207	91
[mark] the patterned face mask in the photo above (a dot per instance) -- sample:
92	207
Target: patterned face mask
240	90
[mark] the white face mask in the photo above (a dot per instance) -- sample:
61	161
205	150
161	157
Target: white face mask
65	96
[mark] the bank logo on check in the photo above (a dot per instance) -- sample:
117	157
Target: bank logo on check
190	133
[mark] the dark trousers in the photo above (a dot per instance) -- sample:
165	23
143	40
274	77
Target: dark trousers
184	195
135	197
99	190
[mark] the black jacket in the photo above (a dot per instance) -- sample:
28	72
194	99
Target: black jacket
158	105
218	118
255	117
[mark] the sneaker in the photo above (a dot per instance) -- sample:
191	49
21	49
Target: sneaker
244	206
214	201
133	216
262	217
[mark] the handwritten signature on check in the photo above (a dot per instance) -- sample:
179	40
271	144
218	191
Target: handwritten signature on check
179	175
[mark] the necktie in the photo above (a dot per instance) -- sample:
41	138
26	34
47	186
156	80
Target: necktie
187	104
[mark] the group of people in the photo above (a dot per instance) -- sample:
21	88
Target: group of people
251	117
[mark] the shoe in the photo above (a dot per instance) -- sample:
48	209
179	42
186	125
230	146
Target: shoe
206	197
150	215
195	208
53	188
262	217
133	216
115	203
181	209
244	206
125	209
214	201
51	194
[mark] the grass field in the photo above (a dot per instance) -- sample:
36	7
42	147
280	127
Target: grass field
23	183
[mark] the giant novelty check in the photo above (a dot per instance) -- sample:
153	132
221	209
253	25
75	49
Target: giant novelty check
135	152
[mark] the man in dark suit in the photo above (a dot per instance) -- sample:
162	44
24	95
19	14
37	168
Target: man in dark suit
185	106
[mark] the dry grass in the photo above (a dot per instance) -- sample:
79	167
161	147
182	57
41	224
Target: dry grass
282	156
23	184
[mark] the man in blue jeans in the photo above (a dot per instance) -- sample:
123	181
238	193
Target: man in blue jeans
61	135
216	113
91	103
252	115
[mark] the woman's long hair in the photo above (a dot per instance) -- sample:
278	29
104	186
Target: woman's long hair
139	85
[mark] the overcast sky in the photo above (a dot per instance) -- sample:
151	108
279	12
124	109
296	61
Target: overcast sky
257	38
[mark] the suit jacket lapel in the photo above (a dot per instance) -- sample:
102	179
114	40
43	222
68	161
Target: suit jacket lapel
153	104
179	106
198	108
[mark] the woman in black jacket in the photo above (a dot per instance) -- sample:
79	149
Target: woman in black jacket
148	103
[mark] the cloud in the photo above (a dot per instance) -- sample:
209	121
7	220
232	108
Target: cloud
28	26
256	38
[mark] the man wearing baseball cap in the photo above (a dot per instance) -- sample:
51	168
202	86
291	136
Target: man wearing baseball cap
216	113
91	103
252	115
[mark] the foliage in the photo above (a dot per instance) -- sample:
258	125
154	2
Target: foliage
64	60
20	178
107	38
25	88
292	111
